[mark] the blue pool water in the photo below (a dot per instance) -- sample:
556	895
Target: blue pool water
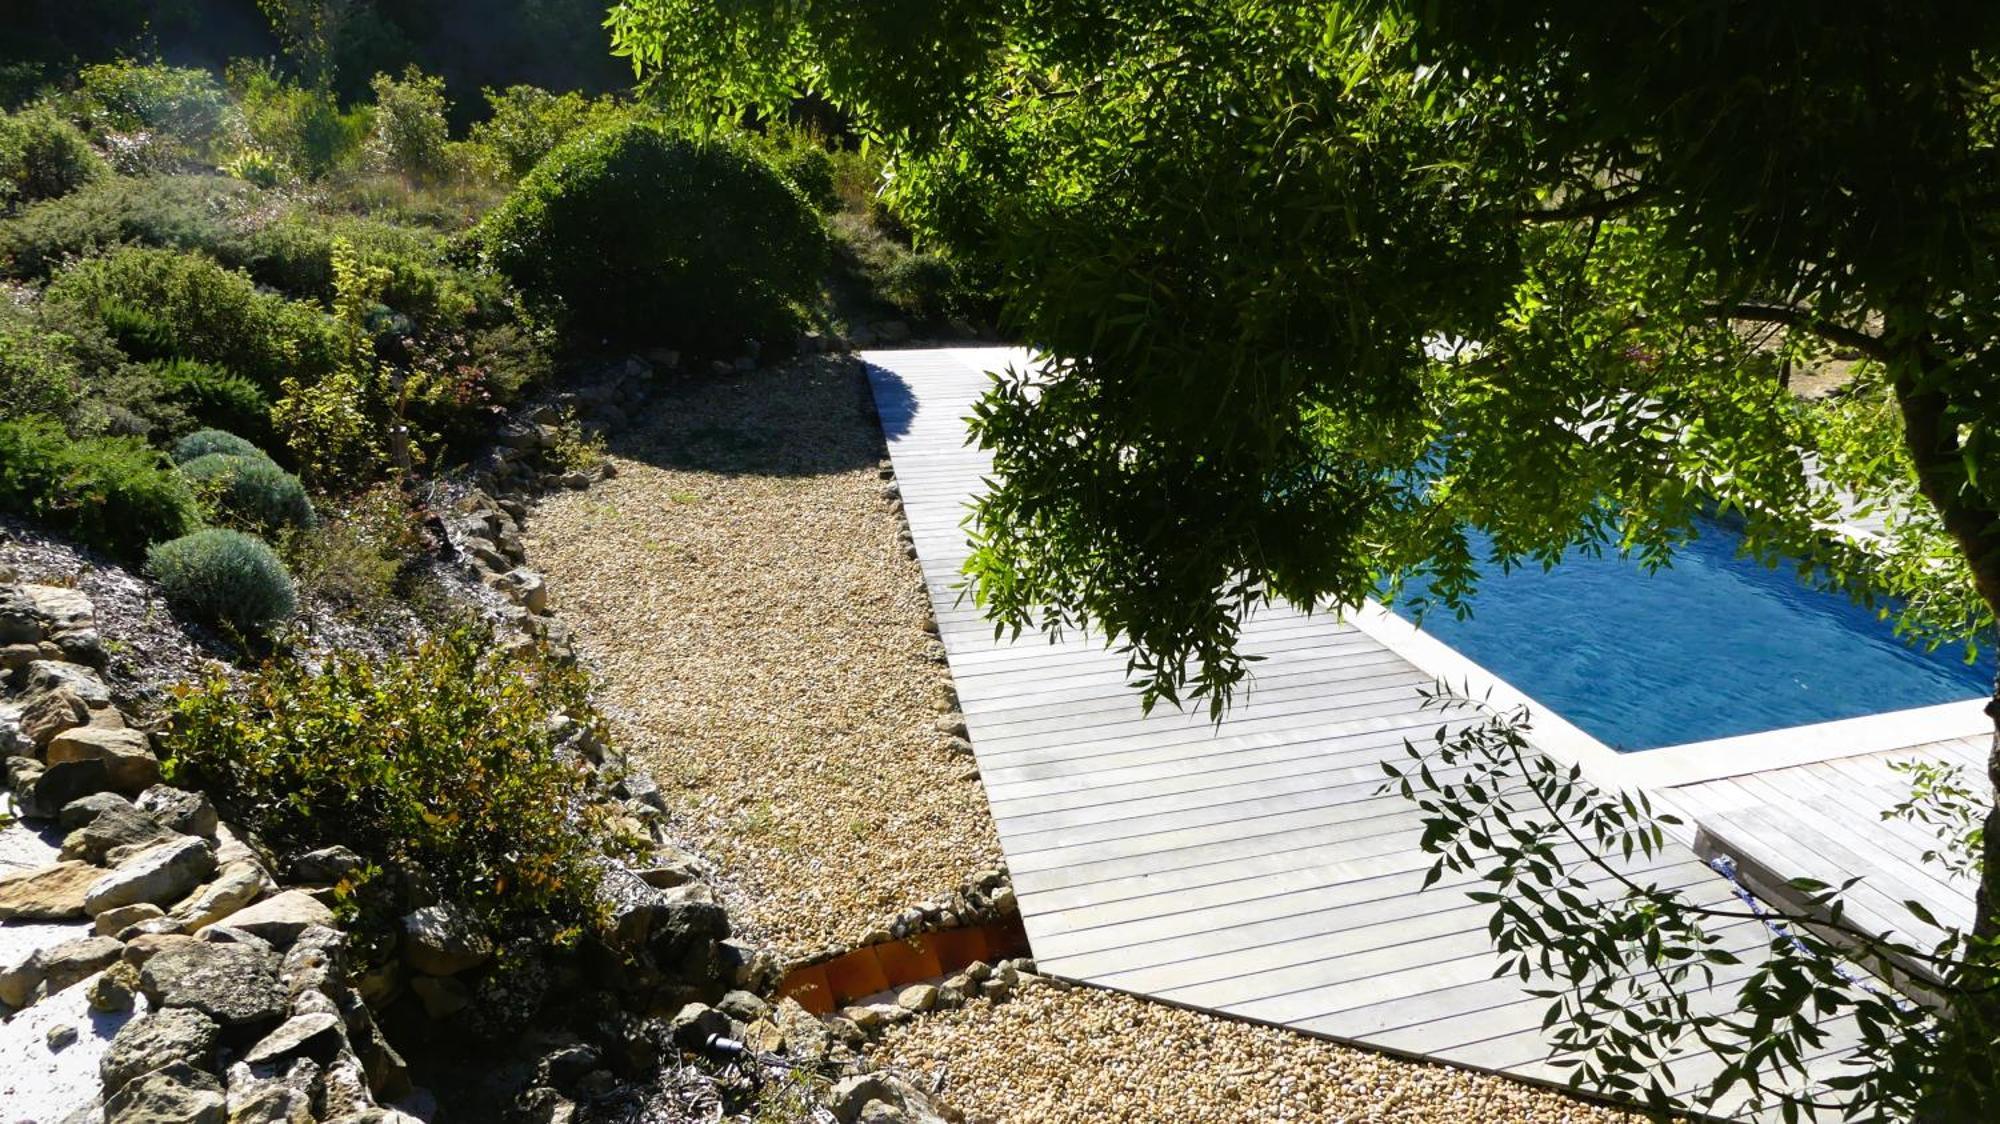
1714	646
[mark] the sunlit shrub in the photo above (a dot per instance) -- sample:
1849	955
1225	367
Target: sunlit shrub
114	493
226	578
527	123
43	156
249	491
411	137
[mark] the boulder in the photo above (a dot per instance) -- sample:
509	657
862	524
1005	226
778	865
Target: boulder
280	918
156	1039
84	809
119	825
59	785
160	875
318	1037
232	888
19	623
113	988
21	982
269	1102
176	1094
59	608
326	865
743	1007
51	893
234	984
187	812
53	675
73	960
443	940
52	713
127	755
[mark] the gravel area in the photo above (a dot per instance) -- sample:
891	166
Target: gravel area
1055	1056
739	589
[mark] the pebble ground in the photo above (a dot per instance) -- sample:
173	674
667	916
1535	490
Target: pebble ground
1083	1056
759	636
739	589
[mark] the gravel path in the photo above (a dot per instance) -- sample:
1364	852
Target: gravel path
739	588
1085	1056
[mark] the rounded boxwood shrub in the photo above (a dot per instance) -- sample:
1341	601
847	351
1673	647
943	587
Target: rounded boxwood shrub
114	493
224	577
635	234
250	490
203	442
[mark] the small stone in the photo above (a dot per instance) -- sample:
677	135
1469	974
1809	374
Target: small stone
160	875
60	1037
112	922
127	755
806	1037
84	810
175	1094
113	988
952	724
184	811
443	940
995	989
156	1039
743	1007
917	997
280	918
233	984
50	893
764	1037
116	826
696	1023
21	982
959	746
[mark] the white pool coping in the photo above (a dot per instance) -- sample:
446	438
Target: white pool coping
1672	765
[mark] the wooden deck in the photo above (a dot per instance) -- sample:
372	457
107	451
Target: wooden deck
1250	868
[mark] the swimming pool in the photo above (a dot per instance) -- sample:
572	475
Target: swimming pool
1714	646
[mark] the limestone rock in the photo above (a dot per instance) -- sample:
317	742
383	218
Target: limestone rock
60	784
51	893
806	1037
233	984
52	675
187	812
326	865
232	888
696	1024
119	825
160	875
156	1039
280	918
82	811
917	997
73	960
21	981
442	940
744	1007
112	922
441	996
113	988
51	714
318	1037
127	755
176	1094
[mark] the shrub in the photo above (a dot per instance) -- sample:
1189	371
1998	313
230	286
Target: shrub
632	233
440	766
114	493
43	156
37	376
301	128
155	117
925	286
226	578
411	137
181	305
527	123
249	491
209	442
357	557
212	396
178	212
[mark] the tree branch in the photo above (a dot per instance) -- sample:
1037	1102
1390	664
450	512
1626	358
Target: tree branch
1786	315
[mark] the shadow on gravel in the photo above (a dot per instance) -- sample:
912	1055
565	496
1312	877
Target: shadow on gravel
810	417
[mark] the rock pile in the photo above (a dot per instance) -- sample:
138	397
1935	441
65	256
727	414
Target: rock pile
248	1016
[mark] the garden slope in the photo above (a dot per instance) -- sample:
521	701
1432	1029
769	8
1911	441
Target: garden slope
740	589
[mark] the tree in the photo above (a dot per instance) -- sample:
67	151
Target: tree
1325	289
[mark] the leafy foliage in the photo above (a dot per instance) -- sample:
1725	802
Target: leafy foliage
212	396
225	577
441	766
156	117
526	123
174	212
632	233
37	375
113	493
43	156
187	306
301	128
249	491
358	556
412	137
